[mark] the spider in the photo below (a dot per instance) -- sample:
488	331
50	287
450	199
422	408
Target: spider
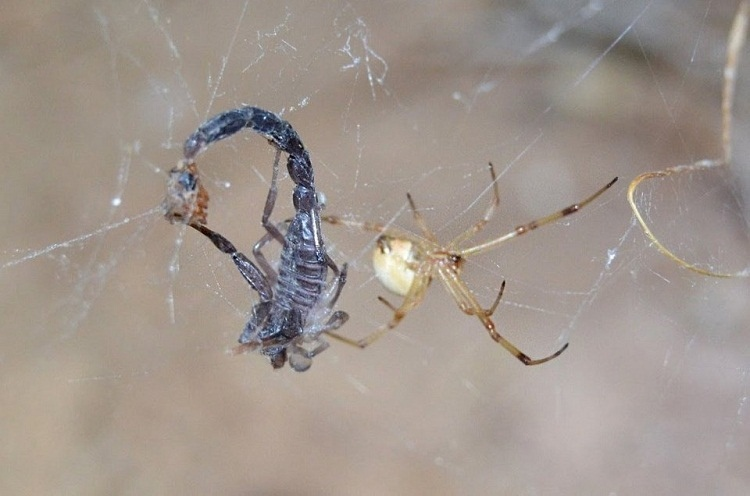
187	199
406	263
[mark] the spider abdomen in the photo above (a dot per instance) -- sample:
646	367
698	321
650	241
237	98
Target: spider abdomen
393	260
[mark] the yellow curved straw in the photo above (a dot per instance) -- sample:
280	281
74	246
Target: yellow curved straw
737	37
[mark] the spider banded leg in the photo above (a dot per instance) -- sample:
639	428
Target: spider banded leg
411	300
469	309
377	227
473	230
468	304
365	226
534	224
426	231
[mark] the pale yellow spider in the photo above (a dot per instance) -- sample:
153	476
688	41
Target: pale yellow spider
405	264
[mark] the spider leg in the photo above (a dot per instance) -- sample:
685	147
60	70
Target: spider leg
387	303
252	274
364	226
412	299
534	224
488	312
473	230
389	230
421	223
468	304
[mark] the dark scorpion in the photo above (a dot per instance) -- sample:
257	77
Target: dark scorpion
296	303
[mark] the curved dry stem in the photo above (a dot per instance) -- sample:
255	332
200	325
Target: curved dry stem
707	164
737	35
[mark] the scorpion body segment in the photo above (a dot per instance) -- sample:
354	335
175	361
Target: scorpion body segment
277	131
296	303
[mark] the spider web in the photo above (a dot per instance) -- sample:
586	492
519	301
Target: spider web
113	362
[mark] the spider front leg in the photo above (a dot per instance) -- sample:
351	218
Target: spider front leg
467	302
488	312
534	224
364	226
481	223
412	299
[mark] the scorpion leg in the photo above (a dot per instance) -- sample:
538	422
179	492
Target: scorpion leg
339	280
300	359
272	231
339	317
252	274
271	202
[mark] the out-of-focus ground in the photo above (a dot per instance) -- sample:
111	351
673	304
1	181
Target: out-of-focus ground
107	390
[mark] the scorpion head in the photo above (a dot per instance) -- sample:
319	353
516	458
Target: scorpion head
304	198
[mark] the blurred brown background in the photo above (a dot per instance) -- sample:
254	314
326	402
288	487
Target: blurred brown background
114	377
